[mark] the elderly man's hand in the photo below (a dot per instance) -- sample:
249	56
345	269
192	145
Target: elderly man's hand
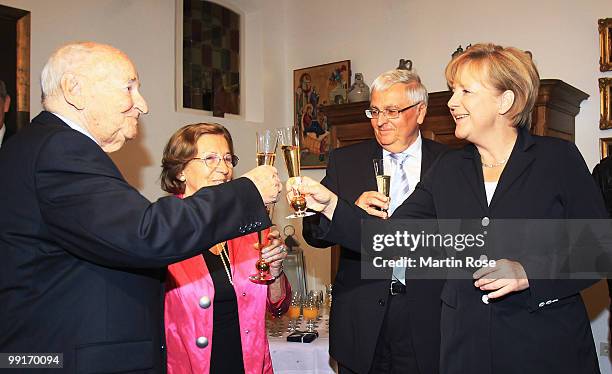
318	197
266	180
374	203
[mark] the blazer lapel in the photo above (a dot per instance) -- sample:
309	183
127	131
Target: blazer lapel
427	157
519	161
472	171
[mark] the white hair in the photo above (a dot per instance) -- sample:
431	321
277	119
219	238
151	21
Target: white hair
71	57
415	90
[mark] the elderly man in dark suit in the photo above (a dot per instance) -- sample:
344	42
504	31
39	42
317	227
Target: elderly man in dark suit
5	104
82	253
390	325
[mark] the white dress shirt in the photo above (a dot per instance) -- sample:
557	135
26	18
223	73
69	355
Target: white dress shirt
75	126
490	190
2	132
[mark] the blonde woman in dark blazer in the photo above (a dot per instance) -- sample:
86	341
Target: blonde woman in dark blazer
528	325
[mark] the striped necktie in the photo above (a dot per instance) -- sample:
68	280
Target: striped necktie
400	189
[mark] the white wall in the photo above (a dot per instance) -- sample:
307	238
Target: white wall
562	36
283	35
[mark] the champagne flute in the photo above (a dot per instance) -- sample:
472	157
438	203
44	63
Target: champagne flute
382	170
290	145
267	141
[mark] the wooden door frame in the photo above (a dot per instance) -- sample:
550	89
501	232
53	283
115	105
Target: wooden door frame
22	96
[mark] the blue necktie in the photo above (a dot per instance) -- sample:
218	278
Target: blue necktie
400	189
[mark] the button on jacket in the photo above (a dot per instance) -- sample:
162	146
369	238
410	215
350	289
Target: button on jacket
359	305
544	178
190	295
82	253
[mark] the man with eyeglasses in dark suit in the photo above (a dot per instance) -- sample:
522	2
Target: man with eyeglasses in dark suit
389	325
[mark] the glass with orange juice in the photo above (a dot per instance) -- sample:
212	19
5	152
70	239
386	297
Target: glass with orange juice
294	313
310	313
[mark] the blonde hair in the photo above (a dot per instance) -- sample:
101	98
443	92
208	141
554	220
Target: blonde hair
501	68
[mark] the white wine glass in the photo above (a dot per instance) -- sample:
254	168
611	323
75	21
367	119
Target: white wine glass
382	170
267	142
290	146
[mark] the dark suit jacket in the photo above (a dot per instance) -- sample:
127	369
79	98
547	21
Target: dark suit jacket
543	329
7	134
82	253
602	173
358	307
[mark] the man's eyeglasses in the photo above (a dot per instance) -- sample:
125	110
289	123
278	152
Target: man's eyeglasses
212	160
390	113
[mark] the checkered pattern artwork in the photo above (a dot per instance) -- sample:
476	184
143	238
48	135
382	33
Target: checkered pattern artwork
211	57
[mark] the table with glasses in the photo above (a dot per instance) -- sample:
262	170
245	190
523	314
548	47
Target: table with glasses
302	358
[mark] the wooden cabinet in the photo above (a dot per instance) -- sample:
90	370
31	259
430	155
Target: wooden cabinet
554	114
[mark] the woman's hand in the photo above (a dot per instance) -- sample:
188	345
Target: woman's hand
505	277
274	253
374	203
318	197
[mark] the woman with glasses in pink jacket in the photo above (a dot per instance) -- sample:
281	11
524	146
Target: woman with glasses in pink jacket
214	315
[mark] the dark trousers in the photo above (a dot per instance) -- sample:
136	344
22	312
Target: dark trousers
394	352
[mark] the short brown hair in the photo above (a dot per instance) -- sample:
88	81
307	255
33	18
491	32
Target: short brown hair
182	148
503	68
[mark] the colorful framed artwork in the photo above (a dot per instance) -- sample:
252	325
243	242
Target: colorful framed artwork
605	146
313	88
605	44
605	103
208	58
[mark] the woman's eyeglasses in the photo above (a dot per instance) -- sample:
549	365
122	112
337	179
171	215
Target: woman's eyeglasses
212	160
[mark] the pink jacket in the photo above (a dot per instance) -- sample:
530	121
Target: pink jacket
189	315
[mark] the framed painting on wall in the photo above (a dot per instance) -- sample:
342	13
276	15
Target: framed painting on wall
605	103
208	58
313	88
605	44
605	146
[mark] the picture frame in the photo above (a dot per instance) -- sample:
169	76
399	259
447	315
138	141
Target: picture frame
209	77
313	88
605	44
605	147
605	103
